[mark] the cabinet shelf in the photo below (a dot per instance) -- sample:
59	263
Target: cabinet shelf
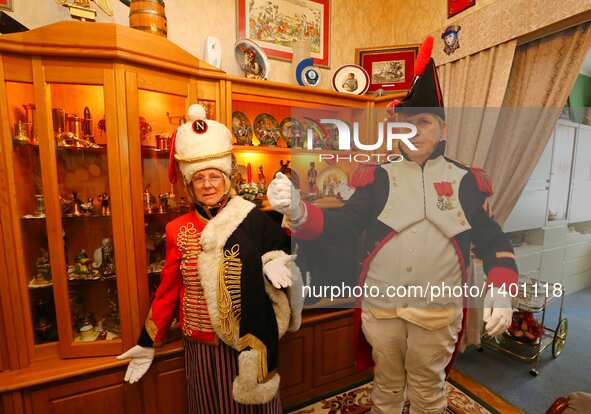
31	218
262	149
85	216
37	287
153	151
101	149
166	213
25	144
92	280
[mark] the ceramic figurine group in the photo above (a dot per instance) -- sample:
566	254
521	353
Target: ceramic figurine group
103	265
98	205
155	243
166	202
43	271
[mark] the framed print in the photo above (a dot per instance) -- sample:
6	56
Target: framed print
457	6
6	5
390	68
275	24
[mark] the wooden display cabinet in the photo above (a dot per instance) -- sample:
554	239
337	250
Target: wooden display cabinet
85	116
64	315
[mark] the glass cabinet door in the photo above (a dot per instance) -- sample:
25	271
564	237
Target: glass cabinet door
85	208
159	115
31	212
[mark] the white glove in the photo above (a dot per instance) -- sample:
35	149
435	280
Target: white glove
141	359
285	198
498	312
578	402
278	272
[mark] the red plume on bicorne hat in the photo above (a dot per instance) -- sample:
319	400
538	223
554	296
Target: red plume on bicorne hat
424	56
172	163
425	92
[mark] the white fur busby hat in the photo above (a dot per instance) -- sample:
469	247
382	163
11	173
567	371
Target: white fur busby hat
200	144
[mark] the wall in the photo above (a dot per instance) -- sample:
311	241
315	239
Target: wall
353	24
414	19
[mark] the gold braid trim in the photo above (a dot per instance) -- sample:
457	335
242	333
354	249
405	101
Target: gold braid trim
196	318
505	255
229	299
151	327
251	341
204	157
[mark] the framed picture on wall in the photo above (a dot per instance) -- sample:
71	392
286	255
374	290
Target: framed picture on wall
6	5
276	24
390	68
457	6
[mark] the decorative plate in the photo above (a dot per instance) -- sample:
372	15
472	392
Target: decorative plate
306	74
331	133
351	79
266	129
292	132
318	134
252	59
241	128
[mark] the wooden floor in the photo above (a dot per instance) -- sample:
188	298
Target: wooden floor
484	393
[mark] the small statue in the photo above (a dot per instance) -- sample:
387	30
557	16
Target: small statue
45	329
87	331
76	204
81	268
147	200
103	258
312	175
262	181
39	205
291	174
105	208
111	320
87	126
88	207
163	208
66	205
172	199
43	275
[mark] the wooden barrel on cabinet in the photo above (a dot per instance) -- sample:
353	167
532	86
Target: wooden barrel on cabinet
149	16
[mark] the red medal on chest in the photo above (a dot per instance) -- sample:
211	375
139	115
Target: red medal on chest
444	191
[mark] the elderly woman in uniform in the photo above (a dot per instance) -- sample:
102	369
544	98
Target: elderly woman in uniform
217	257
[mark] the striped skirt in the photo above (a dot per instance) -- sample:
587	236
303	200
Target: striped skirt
210	371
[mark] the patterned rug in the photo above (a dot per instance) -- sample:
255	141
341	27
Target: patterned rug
358	401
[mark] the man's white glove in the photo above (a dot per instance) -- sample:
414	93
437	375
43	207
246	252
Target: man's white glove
141	359
285	198
498	312
278	272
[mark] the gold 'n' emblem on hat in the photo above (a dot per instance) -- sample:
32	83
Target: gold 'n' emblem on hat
200	126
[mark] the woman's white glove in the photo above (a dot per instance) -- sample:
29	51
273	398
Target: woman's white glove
498	312
278	271
141	359
285	198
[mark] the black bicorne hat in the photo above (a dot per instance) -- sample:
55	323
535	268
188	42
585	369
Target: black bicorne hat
425	92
